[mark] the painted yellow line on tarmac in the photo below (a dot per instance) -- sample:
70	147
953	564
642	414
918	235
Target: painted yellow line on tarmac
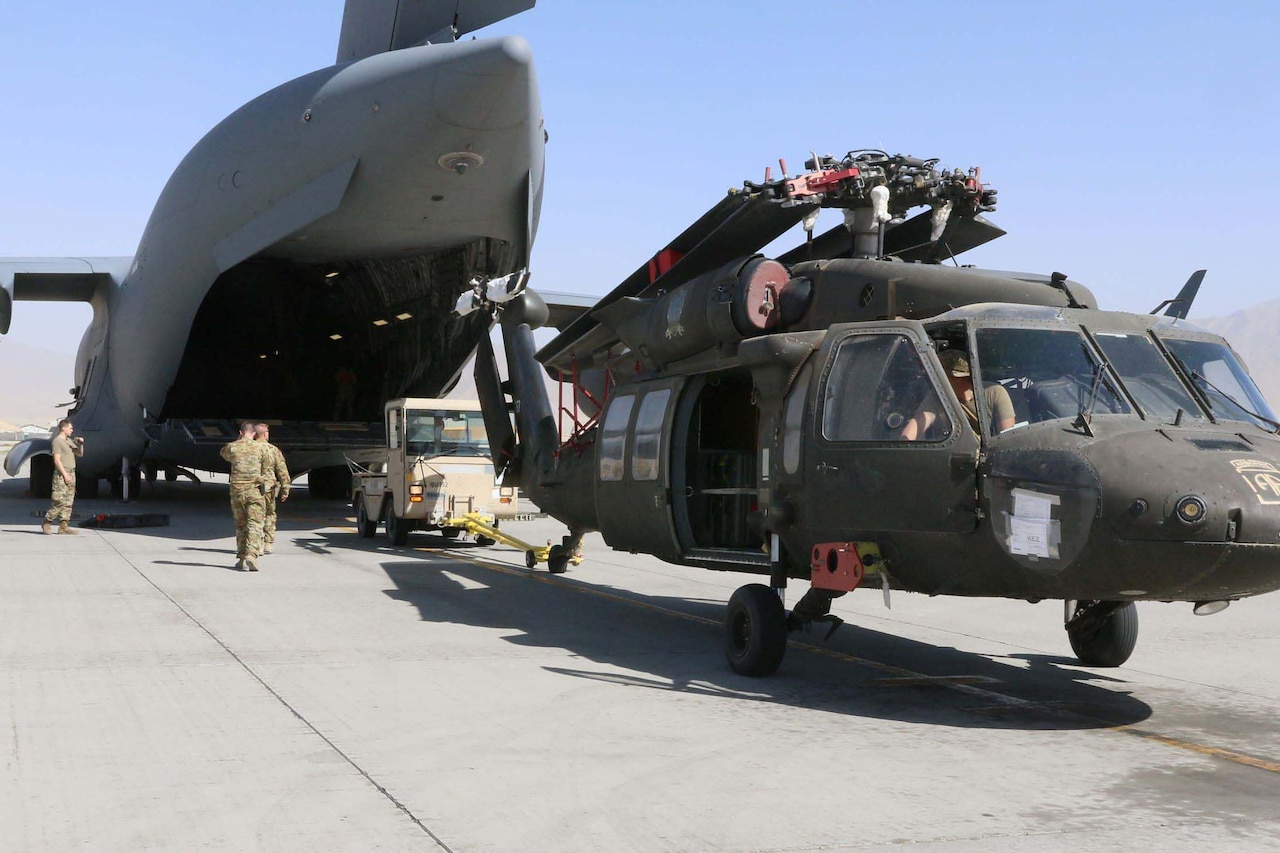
1199	748
901	676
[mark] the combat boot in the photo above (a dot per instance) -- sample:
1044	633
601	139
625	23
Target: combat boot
267	549
240	564
63	528
47	528
250	565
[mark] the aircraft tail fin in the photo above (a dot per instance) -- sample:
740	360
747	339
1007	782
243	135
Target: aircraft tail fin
1180	305
377	26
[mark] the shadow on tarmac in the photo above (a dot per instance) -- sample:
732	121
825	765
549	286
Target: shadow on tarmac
208	516
674	644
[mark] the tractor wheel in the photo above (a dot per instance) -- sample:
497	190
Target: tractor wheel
366	526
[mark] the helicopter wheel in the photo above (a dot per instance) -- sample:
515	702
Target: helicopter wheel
755	637
1103	633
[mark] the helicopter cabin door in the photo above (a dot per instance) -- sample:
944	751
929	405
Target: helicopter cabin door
888	448
633	488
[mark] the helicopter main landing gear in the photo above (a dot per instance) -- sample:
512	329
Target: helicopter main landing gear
755	630
1102	633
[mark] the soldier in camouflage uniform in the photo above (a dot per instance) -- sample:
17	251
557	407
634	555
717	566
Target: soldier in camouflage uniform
65	449
248	461
277	486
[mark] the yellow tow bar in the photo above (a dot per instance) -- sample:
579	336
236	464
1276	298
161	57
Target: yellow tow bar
478	525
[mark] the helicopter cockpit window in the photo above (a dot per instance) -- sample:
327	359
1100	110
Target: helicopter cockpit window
613	438
1146	375
440	432
648	443
877	383
1223	380
794	420
1048	373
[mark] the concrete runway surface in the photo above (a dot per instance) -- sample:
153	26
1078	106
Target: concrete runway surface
356	696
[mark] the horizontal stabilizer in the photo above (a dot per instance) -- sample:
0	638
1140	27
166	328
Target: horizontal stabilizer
376	26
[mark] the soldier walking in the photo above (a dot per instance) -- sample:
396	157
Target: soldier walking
277	486
65	450
248	461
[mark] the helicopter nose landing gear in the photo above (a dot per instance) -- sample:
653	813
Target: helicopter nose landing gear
755	637
1102	633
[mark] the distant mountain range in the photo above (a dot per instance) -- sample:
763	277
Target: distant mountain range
33	381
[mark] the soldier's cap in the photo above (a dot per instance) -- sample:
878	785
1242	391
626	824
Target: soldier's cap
954	362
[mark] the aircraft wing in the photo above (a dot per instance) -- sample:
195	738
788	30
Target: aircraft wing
376	26
54	280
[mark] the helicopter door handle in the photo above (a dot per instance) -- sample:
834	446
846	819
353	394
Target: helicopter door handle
823	468
688	491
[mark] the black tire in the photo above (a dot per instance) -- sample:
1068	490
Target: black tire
755	637
557	560
40	476
365	525
171	475
485	541
530	559
329	483
451	532
1108	642
87	487
397	528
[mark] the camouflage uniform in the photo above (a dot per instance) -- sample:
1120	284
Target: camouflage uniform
64	494
277	480
248	474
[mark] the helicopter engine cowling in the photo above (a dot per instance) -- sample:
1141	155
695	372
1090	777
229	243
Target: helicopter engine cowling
737	301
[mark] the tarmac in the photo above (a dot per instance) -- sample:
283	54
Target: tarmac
441	696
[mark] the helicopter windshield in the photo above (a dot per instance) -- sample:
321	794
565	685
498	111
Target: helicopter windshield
1048	373
444	433
1147	375
1222	380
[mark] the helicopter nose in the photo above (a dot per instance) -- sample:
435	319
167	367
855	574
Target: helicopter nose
1200	489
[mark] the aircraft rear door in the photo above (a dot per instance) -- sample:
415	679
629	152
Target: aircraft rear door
863	474
633	491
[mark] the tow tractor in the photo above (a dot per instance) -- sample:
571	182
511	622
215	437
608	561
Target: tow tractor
437	476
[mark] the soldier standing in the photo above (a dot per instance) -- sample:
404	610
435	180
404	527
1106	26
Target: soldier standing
248	504
277	486
65	450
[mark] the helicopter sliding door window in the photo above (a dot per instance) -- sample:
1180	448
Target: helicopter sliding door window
648	435
876	384
613	438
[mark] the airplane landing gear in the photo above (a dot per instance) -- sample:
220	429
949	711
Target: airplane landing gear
1102	633
755	637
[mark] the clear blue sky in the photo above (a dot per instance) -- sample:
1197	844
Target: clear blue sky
1131	142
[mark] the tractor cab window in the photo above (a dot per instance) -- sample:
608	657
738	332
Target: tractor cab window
1223	381
877	389
444	433
1048	373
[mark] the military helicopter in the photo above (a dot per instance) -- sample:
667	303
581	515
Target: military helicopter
856	413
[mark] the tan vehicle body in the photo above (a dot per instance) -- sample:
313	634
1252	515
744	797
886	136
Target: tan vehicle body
437	471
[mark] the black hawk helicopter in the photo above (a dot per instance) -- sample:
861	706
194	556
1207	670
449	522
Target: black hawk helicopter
855	412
